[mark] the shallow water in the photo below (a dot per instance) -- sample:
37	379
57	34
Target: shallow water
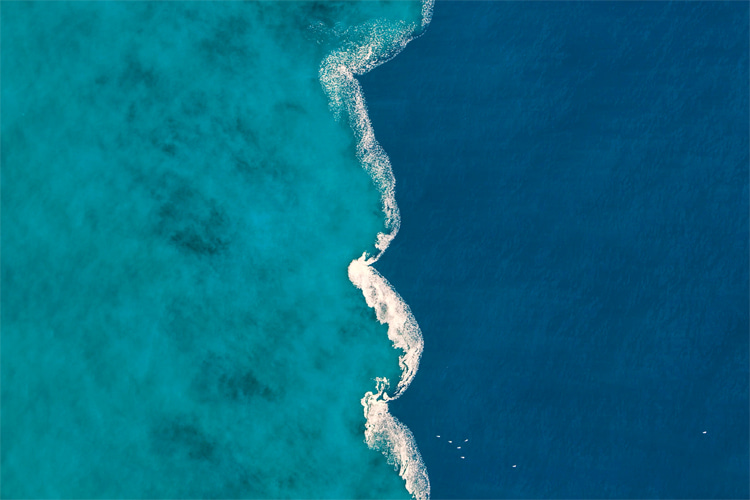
180	207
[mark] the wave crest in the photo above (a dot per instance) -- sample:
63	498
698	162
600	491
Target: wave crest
384	432
379	41
391	309
368	46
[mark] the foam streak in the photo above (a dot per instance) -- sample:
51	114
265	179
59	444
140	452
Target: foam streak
377	42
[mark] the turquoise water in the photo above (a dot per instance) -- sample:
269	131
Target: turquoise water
181	202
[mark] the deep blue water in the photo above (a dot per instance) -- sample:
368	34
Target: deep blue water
573	184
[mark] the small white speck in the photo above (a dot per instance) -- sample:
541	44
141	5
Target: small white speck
463	458
514	466
458	447
466	440
450	442
704	432
437	436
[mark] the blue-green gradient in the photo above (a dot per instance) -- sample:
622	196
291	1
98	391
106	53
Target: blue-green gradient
179	207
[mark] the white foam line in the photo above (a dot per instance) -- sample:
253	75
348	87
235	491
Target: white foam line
385	433
427	6
377	42
390	309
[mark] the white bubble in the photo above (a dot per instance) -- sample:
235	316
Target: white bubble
391	309
385	433
381	40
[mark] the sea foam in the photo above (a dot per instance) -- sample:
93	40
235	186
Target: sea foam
366	47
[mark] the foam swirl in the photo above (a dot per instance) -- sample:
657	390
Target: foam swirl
390	309
368	46
382	430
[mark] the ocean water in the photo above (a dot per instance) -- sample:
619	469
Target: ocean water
573	185
191	197
195	282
